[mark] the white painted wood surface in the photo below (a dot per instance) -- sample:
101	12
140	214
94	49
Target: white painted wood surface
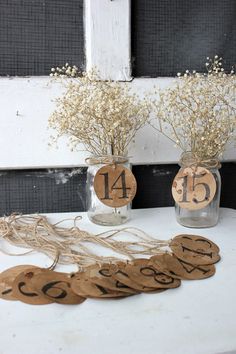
26	104
199	317
107	30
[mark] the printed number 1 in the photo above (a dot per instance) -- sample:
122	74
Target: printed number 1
113	187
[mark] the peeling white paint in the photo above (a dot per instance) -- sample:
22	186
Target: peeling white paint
62	177
107	33
160	172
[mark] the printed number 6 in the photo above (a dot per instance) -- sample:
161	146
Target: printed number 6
51	285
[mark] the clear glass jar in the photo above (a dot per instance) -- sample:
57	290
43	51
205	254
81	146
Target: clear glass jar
98	212
209	215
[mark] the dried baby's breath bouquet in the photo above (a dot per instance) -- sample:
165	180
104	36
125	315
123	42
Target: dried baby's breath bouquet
198	113
102	115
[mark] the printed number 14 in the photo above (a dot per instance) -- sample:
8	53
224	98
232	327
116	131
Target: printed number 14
113	187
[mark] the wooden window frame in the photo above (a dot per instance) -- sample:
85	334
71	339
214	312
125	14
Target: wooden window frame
26	103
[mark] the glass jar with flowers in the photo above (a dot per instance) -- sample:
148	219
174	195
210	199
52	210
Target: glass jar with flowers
198	113
104	116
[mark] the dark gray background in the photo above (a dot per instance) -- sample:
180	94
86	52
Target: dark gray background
63	190
36	35
170	36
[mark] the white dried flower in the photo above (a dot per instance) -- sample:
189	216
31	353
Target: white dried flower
104	116
198	113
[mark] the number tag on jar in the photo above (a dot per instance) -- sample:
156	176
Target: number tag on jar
115	185
193	188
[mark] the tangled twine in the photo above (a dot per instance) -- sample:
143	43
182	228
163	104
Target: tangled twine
71	245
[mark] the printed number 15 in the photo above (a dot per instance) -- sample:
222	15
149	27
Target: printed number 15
185	189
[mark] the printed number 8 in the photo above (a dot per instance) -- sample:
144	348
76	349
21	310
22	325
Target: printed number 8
158	276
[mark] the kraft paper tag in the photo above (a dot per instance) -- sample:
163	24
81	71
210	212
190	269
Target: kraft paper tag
148	275
7	279
195	250
103	275
56	287
170	265
115	185
193	188
24	290
83	286
123	275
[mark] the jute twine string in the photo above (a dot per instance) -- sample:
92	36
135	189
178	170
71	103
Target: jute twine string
106	160
188	159
71	245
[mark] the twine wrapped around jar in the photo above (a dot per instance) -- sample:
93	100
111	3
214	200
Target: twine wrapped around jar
106	160
189	159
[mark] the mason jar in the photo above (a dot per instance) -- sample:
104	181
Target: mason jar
97	211
207	216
